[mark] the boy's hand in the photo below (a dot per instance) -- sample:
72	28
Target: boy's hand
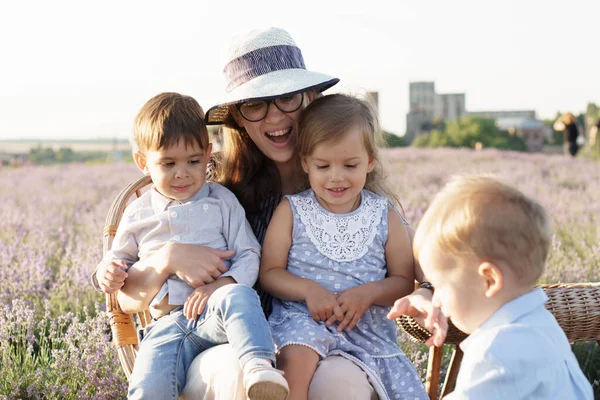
419	305
322	304
353	302
196	301
111	276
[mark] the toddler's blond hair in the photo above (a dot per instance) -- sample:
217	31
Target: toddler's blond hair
482	217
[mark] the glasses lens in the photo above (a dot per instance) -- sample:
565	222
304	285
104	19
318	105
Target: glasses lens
289	103
254	110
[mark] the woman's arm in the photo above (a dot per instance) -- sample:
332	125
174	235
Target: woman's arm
274	277
196	265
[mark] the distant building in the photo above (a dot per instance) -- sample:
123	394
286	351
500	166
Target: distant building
532	131
426	107
449	106
524	114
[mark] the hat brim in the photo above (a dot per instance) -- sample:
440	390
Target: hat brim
268	86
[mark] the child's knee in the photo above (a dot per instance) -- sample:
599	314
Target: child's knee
293	355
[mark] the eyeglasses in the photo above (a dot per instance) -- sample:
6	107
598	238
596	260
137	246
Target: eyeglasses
255	110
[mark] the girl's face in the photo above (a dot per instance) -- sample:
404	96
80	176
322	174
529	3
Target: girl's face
275	135
338	170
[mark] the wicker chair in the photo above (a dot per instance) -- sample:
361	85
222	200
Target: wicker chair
575	306
122	325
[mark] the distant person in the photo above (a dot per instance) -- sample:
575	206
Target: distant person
594	139
567	123
483	245
173	148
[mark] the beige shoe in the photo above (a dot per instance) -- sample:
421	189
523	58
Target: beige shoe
266	383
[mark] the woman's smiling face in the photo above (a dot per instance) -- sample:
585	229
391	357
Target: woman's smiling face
275	135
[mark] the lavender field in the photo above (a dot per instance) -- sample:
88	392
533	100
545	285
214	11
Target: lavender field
54	341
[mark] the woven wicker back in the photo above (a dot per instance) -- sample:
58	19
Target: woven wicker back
122	325
576	307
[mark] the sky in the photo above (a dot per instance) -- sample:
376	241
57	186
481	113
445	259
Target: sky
82	69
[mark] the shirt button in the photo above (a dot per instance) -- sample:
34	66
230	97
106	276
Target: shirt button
174	214
176	237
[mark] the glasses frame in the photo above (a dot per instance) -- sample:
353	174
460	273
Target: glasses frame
274	101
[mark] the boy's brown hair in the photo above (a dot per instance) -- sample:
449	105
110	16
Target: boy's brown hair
167	118
484	218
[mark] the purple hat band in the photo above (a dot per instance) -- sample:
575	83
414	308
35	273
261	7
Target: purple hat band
262	61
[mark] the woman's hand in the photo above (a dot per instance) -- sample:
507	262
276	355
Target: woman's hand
322	304
111	276
194	264
353	302
419	305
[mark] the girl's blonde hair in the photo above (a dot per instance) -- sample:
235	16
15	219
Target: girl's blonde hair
329	118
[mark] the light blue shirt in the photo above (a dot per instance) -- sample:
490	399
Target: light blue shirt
213	217
520	352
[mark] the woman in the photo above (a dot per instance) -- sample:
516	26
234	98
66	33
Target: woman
268	88
568	124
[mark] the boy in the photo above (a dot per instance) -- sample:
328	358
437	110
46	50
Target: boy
173	148
483	245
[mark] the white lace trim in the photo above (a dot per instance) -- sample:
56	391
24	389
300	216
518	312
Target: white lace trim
342	238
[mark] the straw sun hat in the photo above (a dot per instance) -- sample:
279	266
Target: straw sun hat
264	64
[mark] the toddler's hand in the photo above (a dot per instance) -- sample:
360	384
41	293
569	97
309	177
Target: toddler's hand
353	302
420	306
196	301
323	305
111	276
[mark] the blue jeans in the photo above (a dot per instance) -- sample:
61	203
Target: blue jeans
232	315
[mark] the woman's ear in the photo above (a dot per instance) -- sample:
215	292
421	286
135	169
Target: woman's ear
311	95
140	161
493	278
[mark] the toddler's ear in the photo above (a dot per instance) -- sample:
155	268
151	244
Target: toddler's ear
493	278
140	161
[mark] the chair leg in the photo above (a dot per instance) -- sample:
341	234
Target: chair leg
434	364
450	380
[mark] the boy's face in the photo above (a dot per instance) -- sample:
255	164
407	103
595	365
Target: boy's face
459	290
178	172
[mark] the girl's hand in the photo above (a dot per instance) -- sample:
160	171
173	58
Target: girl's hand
322	304
353	302
419	305
194	264
111	276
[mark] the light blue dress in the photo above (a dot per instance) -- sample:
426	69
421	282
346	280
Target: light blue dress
342	251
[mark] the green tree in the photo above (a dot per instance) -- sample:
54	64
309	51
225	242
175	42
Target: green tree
467	132
393	140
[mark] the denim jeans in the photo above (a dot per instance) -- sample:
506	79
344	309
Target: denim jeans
232	315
